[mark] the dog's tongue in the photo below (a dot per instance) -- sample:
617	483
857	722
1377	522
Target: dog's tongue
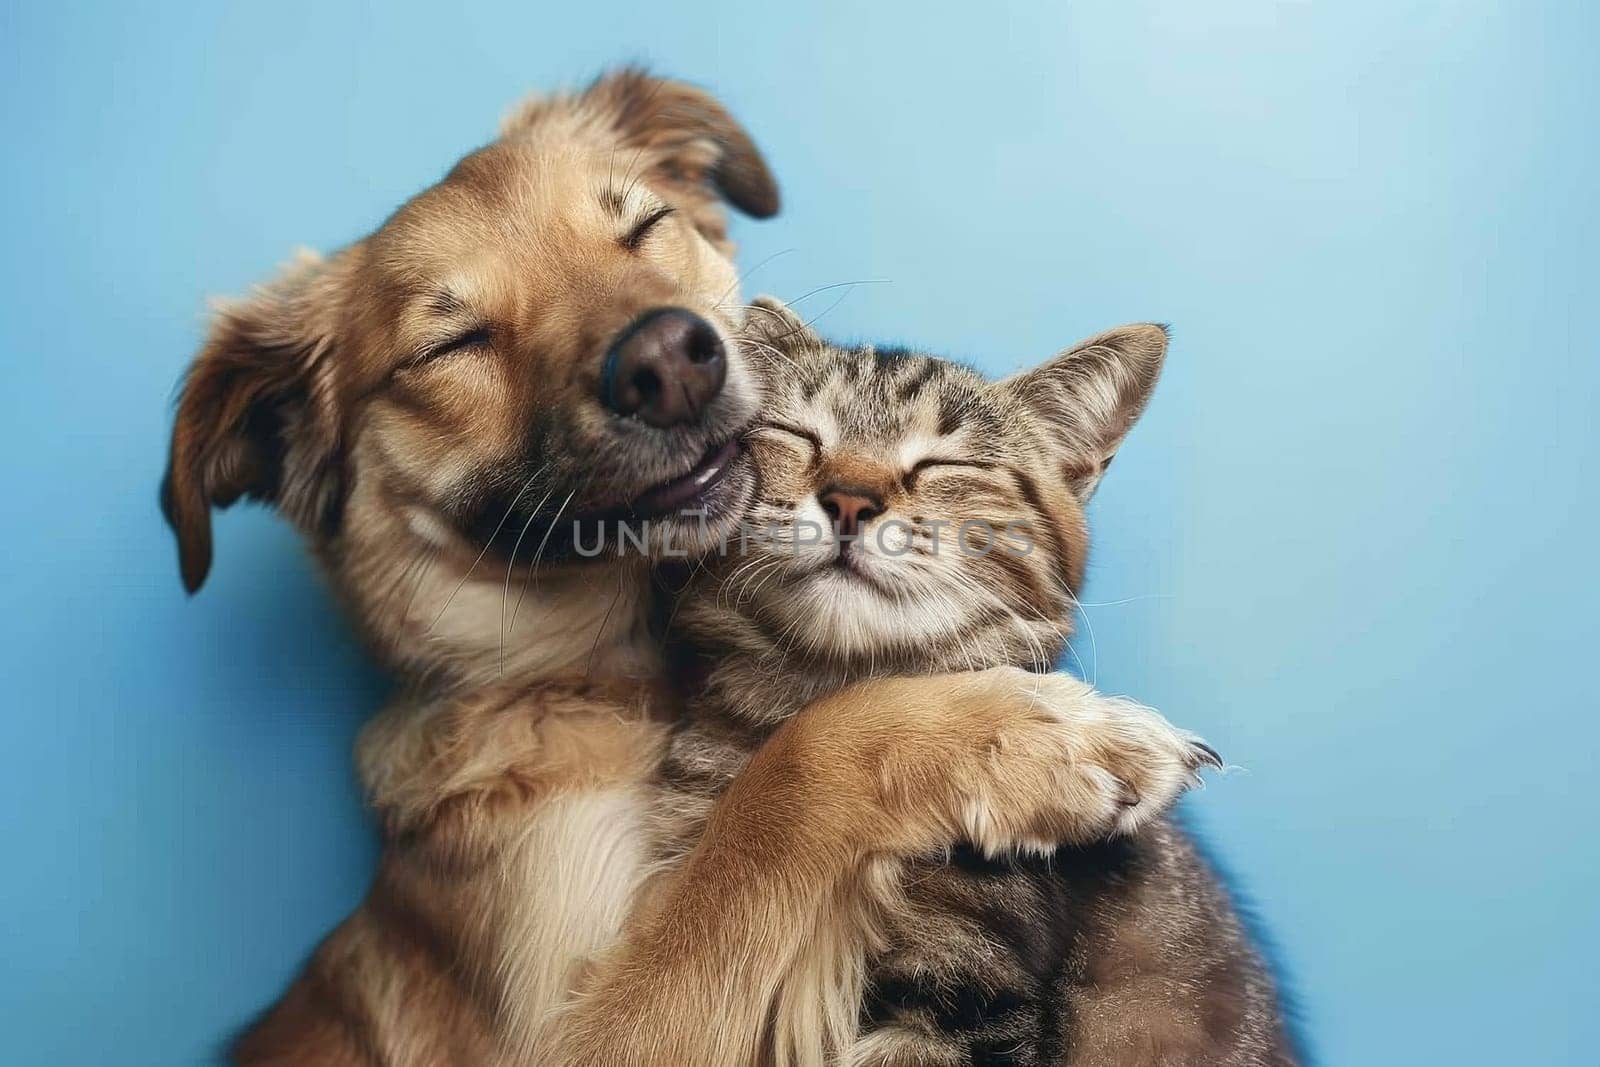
669	496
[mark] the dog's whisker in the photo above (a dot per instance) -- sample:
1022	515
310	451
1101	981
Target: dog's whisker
537	556
511	563
406	573
742	278
630	179
489	541
429	559
605	621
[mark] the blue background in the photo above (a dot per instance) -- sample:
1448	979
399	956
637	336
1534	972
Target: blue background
1352	542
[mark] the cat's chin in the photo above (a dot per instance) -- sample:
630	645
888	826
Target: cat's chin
848	572
843	613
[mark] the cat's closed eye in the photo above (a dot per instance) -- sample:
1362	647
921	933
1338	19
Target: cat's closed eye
935	463
798	434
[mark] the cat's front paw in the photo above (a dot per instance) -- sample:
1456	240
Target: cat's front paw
1089	766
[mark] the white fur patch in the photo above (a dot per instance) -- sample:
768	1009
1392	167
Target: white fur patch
576	870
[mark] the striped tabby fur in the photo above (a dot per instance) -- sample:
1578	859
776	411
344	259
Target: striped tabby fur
1115	952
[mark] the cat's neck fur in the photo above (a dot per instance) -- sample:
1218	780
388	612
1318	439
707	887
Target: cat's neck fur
757	684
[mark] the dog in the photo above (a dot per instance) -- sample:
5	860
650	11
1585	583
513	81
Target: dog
427	394
547	330
550	336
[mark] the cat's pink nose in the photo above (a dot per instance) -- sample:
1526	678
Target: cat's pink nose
850	508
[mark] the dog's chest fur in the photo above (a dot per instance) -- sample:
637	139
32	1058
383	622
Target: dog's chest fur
519	825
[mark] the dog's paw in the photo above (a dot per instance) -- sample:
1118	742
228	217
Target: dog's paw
1083	766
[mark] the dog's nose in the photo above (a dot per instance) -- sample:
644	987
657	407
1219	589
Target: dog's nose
850	508
665	368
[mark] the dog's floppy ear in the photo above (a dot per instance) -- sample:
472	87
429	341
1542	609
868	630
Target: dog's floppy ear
257	415
678	137
1091	395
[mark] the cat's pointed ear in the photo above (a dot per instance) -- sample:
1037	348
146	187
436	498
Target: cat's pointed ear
1090	396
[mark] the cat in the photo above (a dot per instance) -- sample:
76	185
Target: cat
1120	951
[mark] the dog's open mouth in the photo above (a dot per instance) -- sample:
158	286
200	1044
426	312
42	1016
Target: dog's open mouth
688	488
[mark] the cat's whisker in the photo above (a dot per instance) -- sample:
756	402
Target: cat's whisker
763	579
1094	648
725	586
1125	600
762	569
762	346
836	285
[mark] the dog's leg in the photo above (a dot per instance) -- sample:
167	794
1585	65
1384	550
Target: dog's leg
888	769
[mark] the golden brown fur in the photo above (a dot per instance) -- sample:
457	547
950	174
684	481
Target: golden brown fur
315	394
471	798
427	476
472	795
422	405
794	850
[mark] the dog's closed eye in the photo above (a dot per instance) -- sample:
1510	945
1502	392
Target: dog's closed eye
475	338
641	229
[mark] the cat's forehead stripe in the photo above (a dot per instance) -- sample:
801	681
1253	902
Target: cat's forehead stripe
879	396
